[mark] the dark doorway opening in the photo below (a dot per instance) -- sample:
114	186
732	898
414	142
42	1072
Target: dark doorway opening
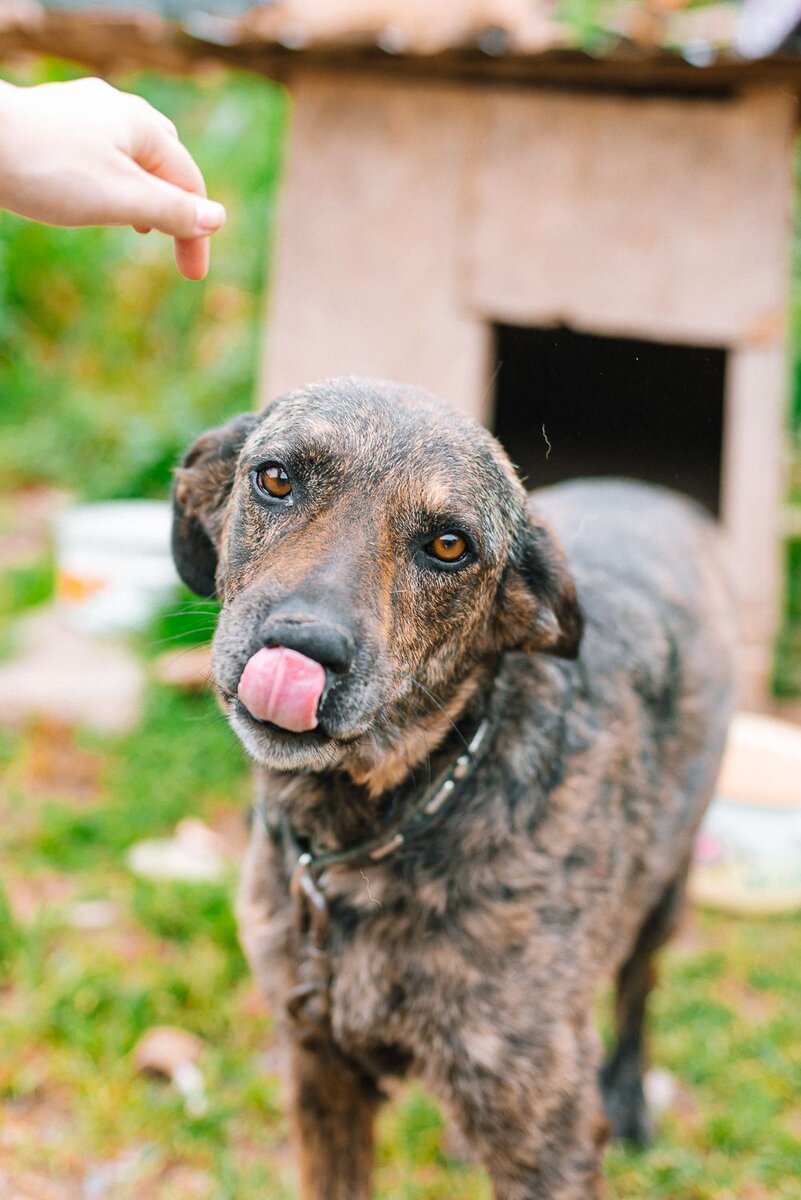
610	406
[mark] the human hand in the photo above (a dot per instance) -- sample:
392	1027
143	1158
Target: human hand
83	153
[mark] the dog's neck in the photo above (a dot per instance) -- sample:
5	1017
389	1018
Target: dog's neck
386	764
370	795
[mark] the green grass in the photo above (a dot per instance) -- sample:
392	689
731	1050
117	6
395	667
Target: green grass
726	1020
25	586
74	1002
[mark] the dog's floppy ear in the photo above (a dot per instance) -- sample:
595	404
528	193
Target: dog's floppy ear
200	492
553	622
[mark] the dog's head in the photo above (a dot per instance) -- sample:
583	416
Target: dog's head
372	551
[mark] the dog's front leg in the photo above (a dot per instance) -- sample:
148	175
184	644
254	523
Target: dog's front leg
334	1107
563	1162
532	1111
558	1158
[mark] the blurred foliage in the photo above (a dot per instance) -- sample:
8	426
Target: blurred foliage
109	360
787	675
593	22
795	323
585	20
24	586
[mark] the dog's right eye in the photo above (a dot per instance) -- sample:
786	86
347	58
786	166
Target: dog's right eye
272	480
450	549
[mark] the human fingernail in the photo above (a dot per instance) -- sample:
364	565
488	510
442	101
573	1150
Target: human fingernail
210	214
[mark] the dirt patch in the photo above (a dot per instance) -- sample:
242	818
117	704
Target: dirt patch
53	763
756	1007
231	826
34	1164
29	895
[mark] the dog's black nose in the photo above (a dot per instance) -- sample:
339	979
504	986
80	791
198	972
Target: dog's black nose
327	643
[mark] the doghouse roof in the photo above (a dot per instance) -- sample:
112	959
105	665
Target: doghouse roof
637	42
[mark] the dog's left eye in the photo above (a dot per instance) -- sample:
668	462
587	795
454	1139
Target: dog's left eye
448	547
272	479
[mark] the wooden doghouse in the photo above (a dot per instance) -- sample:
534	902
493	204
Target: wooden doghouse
589	251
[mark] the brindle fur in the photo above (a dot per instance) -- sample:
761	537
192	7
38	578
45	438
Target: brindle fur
471	957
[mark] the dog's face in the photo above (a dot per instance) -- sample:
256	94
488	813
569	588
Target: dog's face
377	544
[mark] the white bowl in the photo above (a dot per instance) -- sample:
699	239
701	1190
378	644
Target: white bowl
114	568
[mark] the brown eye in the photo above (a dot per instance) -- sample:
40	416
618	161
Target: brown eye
273	479
448	547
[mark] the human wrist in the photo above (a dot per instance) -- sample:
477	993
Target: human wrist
27	148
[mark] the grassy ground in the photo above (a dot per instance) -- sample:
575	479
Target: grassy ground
74	1110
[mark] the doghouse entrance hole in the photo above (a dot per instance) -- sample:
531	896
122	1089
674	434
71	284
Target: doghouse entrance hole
610	406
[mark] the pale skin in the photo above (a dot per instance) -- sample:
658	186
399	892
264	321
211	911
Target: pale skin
83	153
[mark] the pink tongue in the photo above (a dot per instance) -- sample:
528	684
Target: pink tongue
284	687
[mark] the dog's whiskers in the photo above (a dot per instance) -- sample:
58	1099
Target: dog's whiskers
190	605
176	655
176	637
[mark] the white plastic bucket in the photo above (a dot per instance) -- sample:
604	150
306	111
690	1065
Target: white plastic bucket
748	853
113	564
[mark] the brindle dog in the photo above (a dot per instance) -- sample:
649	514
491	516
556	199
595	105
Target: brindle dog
455	911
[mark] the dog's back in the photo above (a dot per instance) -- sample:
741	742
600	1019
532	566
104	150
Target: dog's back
649	567
657	651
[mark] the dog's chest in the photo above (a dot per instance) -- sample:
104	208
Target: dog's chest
392	966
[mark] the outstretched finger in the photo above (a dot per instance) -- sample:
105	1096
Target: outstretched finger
168	159
192	257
